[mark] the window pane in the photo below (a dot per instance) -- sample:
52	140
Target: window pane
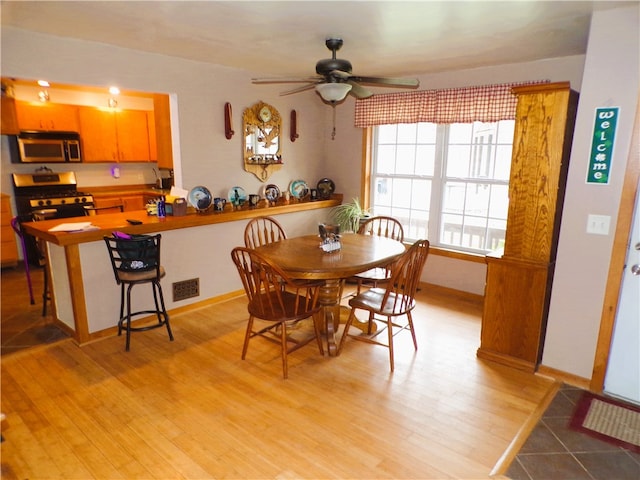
502	162
499	203
382	192
427	132
477	199
401	195
460	133
406	160
425	159
407	132
387	134
386	159
458	161
505	131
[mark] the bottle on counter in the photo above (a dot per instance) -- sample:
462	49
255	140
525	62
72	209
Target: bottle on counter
162	209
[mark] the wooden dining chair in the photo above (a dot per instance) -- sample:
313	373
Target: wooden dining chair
279	302
261	231
381	226
392	302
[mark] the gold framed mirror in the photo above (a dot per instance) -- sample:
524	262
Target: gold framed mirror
262	127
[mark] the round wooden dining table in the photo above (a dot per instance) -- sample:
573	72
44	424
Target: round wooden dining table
302	258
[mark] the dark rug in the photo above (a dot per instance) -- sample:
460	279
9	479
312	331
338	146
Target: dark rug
609	420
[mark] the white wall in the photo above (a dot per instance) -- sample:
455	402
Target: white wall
611	78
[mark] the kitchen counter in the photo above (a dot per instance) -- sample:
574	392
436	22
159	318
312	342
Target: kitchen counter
85	296
105	224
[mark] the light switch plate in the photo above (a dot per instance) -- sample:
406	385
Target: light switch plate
598	224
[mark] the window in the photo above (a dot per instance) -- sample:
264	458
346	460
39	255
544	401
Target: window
447	183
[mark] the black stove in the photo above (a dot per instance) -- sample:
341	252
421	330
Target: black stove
56	192
45	195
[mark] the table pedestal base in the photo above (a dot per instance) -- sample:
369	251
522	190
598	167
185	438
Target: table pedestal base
330	301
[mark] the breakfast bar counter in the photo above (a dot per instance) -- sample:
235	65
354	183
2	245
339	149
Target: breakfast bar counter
85	297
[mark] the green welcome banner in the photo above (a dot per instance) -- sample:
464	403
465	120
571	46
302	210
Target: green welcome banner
604	134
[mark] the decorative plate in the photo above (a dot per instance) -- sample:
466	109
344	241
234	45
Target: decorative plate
271	192
200	197
237	196
326	187
298	188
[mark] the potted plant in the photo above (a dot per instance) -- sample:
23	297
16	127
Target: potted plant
348	215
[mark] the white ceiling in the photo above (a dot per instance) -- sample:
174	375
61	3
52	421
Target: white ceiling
381	38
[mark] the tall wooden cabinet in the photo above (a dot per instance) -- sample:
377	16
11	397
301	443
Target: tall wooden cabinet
518	284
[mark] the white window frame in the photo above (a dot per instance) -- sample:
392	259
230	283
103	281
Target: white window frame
492	238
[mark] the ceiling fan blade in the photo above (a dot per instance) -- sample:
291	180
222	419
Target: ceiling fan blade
358	91
287	80
340	74
388	82
299	89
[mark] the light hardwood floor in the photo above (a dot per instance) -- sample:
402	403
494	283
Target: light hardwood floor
193	409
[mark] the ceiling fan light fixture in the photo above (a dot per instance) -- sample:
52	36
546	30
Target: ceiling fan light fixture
333	92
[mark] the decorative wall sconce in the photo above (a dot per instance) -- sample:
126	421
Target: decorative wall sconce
294	126
228	122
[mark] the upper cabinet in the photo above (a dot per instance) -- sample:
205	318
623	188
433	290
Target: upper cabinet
9	119
161	128
47	116
114	135
132	127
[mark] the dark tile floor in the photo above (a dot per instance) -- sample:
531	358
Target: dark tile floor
22	324
554	452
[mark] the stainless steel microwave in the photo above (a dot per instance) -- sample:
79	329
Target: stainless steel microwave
45	147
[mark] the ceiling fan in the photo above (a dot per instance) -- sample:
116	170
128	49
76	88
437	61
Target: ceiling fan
335	79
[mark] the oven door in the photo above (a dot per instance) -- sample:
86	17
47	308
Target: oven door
44	214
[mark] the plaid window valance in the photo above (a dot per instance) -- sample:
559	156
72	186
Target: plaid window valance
488	103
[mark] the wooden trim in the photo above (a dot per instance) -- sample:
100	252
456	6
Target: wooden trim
109	332
565	377
76	290
468	257
365	176
521	437
618	256
506	360
541	87
460	294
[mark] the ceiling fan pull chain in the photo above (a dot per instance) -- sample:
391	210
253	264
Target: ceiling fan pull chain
333	132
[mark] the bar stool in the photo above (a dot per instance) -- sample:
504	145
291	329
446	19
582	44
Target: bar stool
17	228
136	260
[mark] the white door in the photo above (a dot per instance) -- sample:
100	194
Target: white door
623	370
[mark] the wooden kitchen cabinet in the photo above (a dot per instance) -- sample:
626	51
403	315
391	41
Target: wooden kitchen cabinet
518	285
114	135
162	131
128	202
8	245
47	116
9	118
133	202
